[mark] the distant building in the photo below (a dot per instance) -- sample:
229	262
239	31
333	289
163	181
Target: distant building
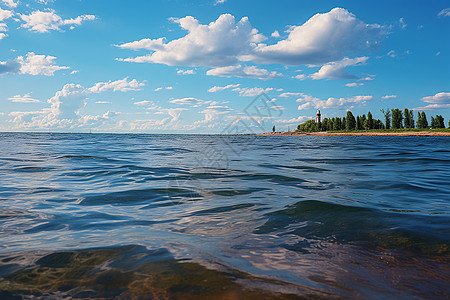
318	115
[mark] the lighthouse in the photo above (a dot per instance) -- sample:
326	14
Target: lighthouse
318	115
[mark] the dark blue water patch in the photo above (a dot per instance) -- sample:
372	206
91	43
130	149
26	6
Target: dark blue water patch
132	197
343	224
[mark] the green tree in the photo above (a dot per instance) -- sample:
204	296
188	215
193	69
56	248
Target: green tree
350	121
308	126
387	118
419	120
424	120
344	123
273	129
358	123
411	119
407	121
437	122
397	118
363	120
369	120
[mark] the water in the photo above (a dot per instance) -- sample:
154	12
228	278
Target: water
228	217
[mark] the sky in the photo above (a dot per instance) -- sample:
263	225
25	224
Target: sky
217	66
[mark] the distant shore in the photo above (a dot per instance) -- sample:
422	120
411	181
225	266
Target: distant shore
368	133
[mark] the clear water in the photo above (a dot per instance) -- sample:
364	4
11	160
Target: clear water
179	216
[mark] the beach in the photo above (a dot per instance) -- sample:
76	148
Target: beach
408	133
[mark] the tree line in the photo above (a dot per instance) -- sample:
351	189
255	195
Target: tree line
393	118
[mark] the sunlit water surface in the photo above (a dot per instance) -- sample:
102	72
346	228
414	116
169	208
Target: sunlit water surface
239	217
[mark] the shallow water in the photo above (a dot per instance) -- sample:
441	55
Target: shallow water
240	217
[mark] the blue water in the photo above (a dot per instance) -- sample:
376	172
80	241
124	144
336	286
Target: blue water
271	216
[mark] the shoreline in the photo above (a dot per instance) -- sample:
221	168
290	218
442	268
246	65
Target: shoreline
406	133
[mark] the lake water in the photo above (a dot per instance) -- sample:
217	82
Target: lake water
224	217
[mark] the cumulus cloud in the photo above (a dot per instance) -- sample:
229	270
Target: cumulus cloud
322	39
5	14
439	98
66	104
438	101
444	13
325	39
300	76
389	97
11	3
244	72
24	99
336	70
186	72
2	35
212	114
275	34
44	21
122	85
310	102
32	64
214	45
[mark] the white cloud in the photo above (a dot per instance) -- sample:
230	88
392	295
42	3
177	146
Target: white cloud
44	21
5	14
147	44
11	3
354	84
300	76
336	70
309	102
217	2
389	97
402	23
433	107
189	101
38	64
439	98
444	13
286	95
2	35
102	102
144	103
216	44
23	99
32	64
244	72
212	114
122	85
66	105
186	72
163	88
216	89
322	39
252	92
275	34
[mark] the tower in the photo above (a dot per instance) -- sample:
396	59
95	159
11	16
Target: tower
318	115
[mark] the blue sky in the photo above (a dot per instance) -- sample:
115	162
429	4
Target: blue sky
177	66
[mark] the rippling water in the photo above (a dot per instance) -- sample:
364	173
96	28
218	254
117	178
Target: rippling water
229	217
